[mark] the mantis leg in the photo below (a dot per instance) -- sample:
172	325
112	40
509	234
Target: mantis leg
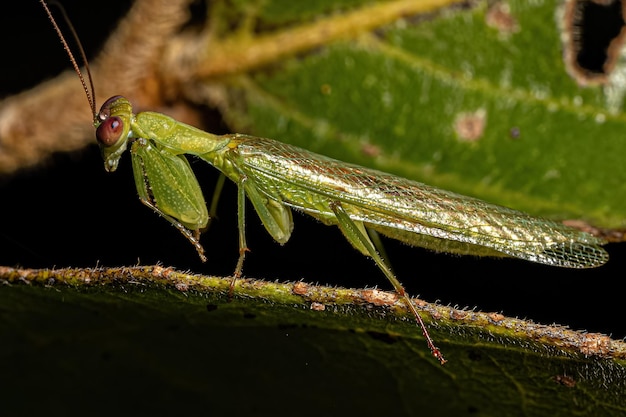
275	216
161	176
241	225
192	235
219	185
378	244
356	234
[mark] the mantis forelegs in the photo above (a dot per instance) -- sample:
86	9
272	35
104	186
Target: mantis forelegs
192	235
166	184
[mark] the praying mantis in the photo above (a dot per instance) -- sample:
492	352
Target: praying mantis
278	178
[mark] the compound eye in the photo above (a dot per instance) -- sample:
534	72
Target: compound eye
105	110
109	131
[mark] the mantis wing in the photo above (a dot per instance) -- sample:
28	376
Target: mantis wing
410	211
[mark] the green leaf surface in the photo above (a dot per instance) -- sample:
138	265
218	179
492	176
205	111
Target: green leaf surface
391	99
270	348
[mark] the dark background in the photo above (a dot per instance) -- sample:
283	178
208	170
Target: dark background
70	212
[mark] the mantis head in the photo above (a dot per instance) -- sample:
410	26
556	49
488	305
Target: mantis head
113	129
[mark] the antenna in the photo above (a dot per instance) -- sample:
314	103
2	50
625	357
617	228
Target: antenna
90	92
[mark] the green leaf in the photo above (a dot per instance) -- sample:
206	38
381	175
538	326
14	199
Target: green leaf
156	335
392	99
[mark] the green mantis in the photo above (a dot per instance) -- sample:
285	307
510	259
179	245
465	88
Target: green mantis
278	178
